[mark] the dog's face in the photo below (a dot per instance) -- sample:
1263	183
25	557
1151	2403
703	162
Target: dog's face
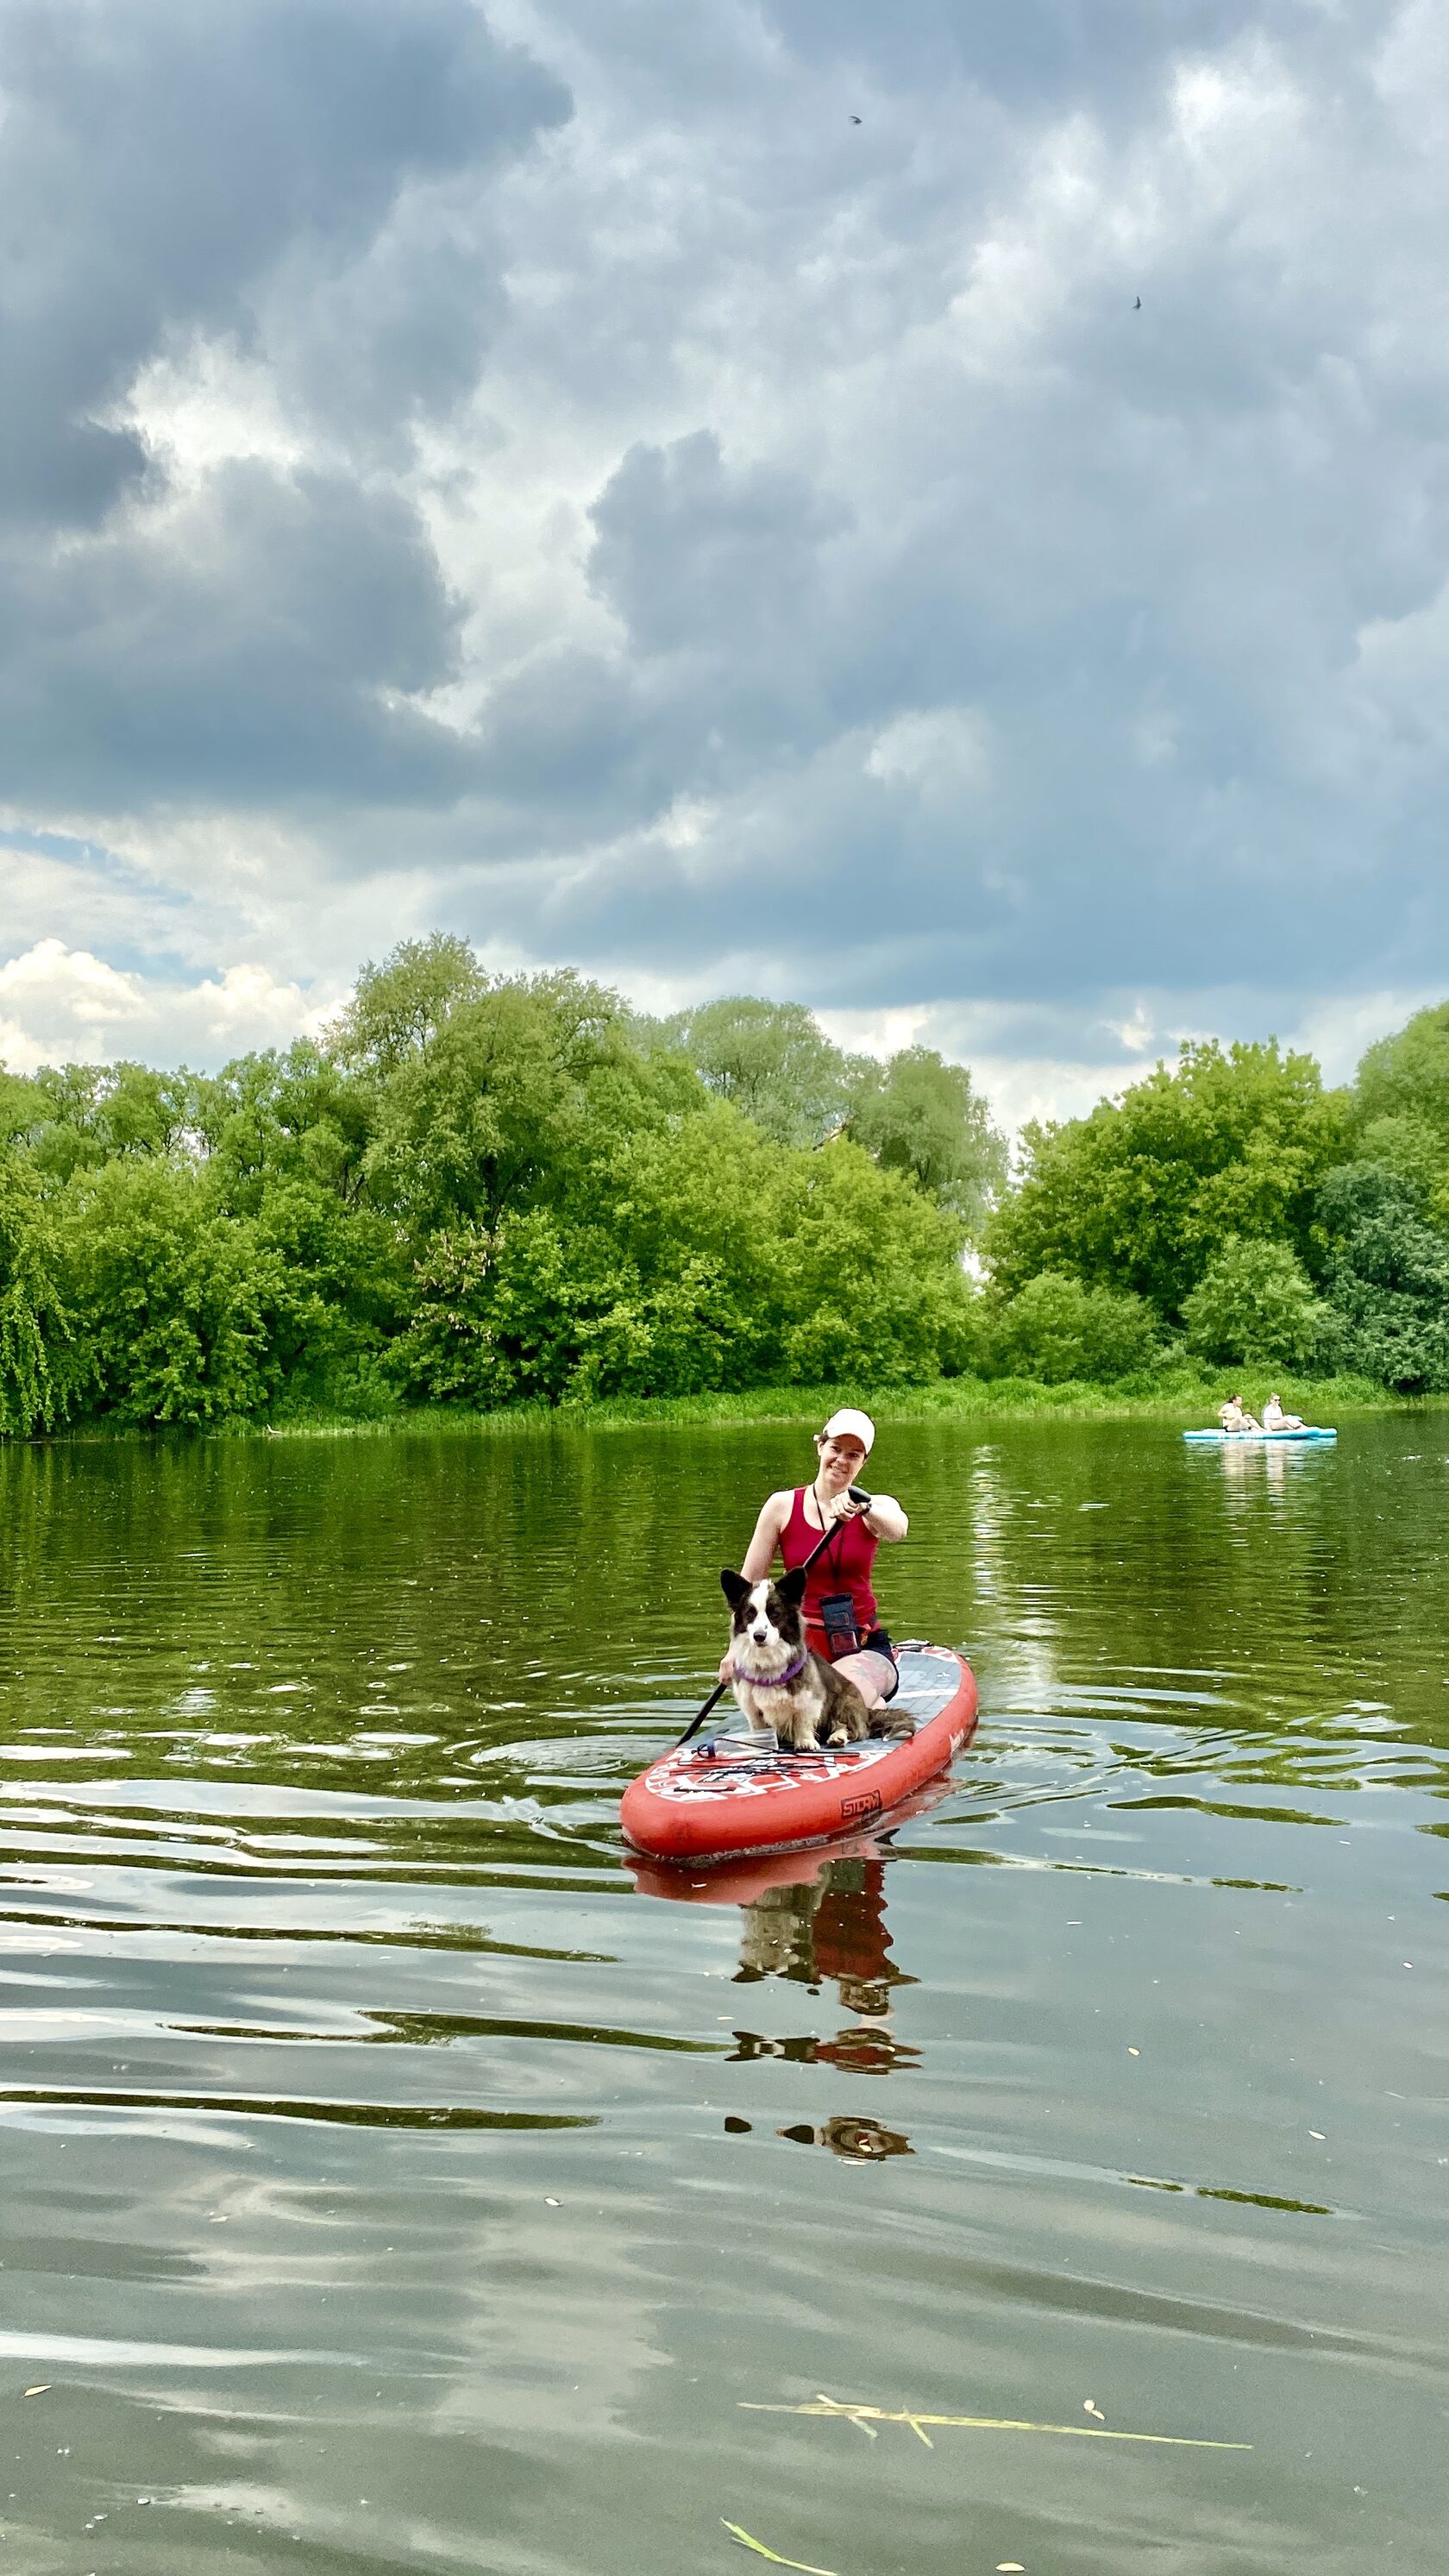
766	1614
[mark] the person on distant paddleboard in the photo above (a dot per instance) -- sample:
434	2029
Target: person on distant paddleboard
1233	1418
1275	1419
841	1624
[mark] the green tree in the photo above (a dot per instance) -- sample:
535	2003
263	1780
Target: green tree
919	1115
293	1117
868	1281
174	1304
399	1006
1054	1329
1407	1075
495	1101
1388	1296
1255	1301
546	1309
337	1290
695	1254
772	1060
22	1107
655	1279
481	1189
287	1138
91	1114
1141	1194
1404	1143
40	1367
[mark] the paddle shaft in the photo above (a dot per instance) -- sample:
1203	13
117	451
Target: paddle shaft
857	1494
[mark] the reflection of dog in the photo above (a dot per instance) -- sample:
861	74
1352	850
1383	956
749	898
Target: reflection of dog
780	1685
863	2140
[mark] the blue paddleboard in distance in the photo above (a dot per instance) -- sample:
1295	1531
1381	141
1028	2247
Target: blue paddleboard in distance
1240	1439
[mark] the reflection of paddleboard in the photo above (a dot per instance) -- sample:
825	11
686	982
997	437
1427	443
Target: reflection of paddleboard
740	1881
723	1799
1237	1439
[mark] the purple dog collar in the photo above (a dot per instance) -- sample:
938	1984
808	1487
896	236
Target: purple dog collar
773	1681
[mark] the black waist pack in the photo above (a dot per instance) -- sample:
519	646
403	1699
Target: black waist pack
837	1618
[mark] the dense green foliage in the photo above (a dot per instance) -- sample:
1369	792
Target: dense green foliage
38	1370
1407	1076
919	1115
1254	1302
1263	1220
1388	1300
1144	1192
1056	1330
482	1191
770	1059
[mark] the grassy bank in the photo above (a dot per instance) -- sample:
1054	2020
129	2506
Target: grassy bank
1181	1397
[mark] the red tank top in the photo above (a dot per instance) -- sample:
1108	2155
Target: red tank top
844	1567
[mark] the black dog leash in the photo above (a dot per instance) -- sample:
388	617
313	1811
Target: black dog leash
857	1494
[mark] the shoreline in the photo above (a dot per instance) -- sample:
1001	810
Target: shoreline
1191	1404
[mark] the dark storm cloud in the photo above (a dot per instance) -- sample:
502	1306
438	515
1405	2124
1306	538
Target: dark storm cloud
1176	564
1037	55
697	557
805	519
160	160
256	651
716	575
268	173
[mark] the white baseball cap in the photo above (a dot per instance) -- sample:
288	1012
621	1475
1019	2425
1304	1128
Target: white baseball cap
847	1424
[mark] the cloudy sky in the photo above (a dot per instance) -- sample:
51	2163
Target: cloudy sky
547	471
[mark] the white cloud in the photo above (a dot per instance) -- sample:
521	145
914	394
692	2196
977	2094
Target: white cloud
54	985
1338	1031
943	753
1136	1033
63	1005
199	406
1019	1079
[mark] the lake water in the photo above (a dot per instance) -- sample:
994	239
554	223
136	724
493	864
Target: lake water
387	2181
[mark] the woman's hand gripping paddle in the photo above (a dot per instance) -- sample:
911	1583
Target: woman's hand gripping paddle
858	1495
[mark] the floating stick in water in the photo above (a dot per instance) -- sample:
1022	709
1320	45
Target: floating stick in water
773	2555
866	2418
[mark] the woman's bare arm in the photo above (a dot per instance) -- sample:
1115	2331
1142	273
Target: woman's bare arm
760	1554
885	1517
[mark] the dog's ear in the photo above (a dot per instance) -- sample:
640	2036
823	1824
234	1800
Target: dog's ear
734	1587
791	1586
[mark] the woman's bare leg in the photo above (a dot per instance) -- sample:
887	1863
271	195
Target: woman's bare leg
873	1675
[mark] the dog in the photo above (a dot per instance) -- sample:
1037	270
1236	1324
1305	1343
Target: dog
781	1686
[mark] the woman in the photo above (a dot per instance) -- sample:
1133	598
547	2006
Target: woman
1275	1419
840	1612
1233	1418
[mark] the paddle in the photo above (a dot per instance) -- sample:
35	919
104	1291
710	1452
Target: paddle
857	1494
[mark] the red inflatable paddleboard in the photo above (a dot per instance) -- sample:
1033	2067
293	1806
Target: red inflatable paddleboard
723	1800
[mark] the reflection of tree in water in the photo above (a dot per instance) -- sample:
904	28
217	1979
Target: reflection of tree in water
831	1928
